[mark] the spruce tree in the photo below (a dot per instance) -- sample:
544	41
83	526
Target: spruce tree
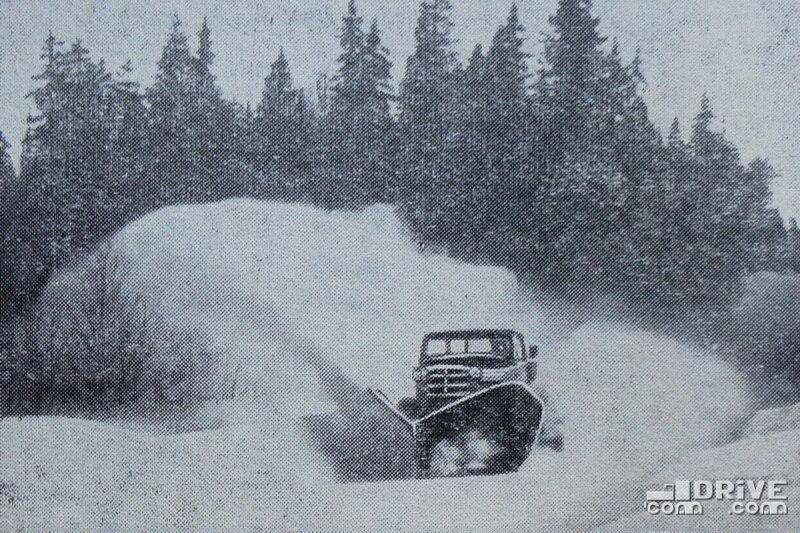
170	100
208	94
427	88
192	128
66	150
377	80
280	117
506	77
573	84
205	56
705	141
345	86
343	141
716	156
62	195
128	145
463	184
469	135
89	157
763	233
6	166
277	97
359	122
361	92
675	139
632	140
376	123
175	66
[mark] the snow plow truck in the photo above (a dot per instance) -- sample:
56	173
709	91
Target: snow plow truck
474	411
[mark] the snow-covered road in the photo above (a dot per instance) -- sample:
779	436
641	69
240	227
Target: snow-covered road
71	475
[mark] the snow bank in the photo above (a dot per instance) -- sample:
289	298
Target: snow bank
767	421
263	280
72	475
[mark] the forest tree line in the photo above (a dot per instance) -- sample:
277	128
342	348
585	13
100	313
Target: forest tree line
559	174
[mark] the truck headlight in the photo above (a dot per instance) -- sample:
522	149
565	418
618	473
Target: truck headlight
475	373
419	374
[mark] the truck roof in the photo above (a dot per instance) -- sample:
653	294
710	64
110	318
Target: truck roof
471	333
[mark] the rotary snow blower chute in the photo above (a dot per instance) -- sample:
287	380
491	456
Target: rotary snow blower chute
474	412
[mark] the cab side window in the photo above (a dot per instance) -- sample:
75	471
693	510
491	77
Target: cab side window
519	349
502	347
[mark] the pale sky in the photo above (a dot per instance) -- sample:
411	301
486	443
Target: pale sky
744	53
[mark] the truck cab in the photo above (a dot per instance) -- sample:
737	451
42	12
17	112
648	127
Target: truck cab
455	364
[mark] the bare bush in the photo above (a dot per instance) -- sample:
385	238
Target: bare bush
95	346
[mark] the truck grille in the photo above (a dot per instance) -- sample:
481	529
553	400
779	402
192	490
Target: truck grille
449	382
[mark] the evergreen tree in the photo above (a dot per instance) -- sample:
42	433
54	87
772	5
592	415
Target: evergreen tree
343	144
127	132
464	185
62	195
6	166
204	81
632	141
468	139
426	90
192	127
573	85
348	77
716	158
715	247
281	117
278	96
170	100
359	122
763	234
506	77
204	54
66	150
361	92
491	133
375	123
377	82
675	139
703	138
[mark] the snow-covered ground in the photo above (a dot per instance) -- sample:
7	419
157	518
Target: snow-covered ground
301	308
71	475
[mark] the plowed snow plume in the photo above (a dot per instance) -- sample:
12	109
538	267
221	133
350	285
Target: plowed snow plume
295	303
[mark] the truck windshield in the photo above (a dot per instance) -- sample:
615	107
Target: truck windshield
482	351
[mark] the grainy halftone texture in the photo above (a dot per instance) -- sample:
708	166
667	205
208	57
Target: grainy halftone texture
263	286
273	273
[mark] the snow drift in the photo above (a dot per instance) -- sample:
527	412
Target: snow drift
298	309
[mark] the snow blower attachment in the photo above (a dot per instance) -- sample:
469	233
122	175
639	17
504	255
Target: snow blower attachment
474	411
